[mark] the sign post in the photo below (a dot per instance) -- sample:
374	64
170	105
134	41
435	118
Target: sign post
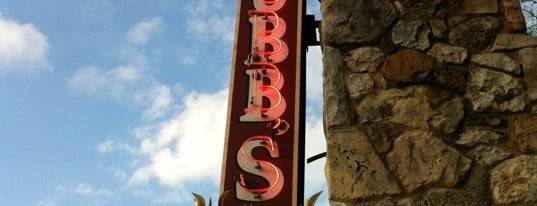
263	162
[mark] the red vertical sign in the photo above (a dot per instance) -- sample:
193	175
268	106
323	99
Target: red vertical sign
262	161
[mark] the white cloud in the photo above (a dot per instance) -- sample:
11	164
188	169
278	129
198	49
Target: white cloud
119	174
135	56
174	196
314	78
214	27
87	190
83	189
63	193
188	60
49	201
160	99
315	139
130	81
97	81
23	48
202	6
109	146
125	74
90	79
187	147
167	3
95	11
141	32
209	20
106	146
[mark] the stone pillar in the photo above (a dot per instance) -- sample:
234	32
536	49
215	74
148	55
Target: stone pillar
429	102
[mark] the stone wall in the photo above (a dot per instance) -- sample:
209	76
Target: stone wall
429	102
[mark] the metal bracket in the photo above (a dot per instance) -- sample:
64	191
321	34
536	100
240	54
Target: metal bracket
310	31
316	157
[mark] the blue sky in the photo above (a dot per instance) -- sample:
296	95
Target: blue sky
121	102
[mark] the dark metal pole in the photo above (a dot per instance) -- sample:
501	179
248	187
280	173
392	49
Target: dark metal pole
302	113
309	38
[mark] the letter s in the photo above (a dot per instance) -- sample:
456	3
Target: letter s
261	168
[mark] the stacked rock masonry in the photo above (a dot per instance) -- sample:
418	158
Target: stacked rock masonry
429	102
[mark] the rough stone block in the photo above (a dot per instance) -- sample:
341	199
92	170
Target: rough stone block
514	181
358	85
407	66
513	41
528	58
451	76
475	135
419	159
480	6
513	19
416	9
364	59
475	34
417	107
494	91
335	97
444	53
523	132
487	155
411	34
353	169
357	21
472	193
498	61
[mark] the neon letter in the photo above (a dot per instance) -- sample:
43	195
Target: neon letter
273	5
266	43
267	170
264	93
